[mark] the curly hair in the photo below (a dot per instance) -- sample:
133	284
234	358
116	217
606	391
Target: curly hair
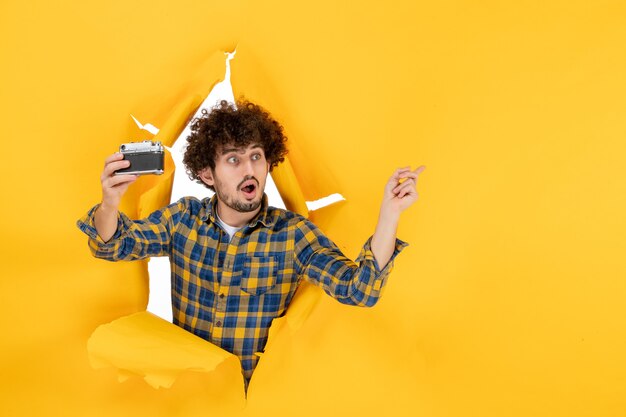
237	125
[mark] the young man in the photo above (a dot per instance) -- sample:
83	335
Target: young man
236	262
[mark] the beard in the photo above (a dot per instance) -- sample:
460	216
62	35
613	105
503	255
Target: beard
236	204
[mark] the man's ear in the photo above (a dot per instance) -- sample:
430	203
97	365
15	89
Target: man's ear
206	175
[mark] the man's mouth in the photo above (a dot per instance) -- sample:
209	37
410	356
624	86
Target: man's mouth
249	188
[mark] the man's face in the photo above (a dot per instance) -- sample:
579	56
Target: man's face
239	177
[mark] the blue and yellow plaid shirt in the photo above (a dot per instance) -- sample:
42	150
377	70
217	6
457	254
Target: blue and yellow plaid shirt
228	291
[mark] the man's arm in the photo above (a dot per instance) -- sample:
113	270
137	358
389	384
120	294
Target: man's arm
112	235
360	283
113	188
321	262
400	193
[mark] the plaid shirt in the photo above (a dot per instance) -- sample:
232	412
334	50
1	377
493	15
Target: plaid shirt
228	292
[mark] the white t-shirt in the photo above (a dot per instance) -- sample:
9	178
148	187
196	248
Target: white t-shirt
229	229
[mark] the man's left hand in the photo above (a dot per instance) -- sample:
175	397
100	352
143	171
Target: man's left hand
401	190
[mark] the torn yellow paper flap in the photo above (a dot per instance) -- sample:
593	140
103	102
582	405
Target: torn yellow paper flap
145	345
304	300
158	189
178	119
285	179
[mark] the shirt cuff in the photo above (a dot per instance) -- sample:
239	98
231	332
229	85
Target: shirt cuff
86	225
367	255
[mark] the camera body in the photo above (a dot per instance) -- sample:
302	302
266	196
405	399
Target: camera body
145	158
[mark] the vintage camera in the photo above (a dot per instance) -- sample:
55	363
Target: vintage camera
145	158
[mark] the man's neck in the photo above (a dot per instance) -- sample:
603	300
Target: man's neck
233	217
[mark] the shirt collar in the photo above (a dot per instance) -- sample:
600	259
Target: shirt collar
263	216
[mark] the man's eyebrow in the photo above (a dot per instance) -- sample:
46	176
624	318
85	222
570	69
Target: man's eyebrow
229	150
225	151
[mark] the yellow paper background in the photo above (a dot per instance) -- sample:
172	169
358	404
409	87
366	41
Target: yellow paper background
509	299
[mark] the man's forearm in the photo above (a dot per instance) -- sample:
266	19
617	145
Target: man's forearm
384	239
400	193
105	220
113	187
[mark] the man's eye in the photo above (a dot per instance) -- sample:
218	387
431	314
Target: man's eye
256	156
232	160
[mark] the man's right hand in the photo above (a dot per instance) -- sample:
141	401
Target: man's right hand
113	188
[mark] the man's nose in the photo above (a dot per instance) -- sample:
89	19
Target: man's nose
247	167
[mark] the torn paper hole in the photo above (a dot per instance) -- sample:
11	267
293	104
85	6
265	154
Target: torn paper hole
324	201
147	127
159	301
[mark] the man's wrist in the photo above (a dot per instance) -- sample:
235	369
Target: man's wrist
389	214
108	207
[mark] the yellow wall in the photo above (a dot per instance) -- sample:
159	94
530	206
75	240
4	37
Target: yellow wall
508	300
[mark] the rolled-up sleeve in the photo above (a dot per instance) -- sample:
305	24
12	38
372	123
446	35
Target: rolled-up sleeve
320	261
133	239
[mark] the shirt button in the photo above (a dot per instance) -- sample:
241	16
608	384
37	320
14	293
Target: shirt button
218	324
222	295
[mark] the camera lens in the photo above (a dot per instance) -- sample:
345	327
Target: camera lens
123	147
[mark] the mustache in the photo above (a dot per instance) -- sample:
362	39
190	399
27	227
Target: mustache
248	178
